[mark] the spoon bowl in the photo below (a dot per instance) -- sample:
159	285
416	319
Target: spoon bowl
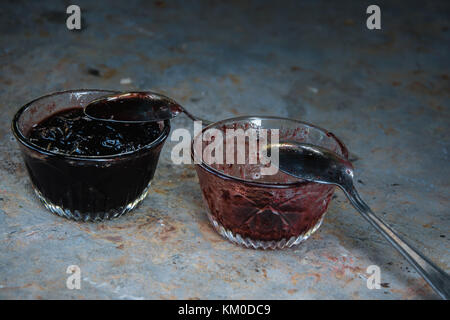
136	107
314	163
133	107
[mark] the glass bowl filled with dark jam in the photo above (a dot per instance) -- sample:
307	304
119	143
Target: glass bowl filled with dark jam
263	211
84	169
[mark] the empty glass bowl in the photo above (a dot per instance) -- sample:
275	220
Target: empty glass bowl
271	211
85	188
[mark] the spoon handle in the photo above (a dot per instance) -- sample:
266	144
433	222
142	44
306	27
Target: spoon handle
438	279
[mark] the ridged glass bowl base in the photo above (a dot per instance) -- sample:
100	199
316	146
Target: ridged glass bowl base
91	216
259	244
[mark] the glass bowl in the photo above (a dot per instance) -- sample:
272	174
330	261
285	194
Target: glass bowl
270	211
84	188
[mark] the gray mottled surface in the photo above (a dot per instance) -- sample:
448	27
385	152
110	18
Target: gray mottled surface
385	93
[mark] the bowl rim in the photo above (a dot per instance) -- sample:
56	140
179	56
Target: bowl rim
28	144
272	185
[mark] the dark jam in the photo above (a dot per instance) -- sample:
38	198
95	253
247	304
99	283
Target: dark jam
71	132
93	188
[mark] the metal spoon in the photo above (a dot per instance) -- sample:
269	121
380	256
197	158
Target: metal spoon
136	107
313	163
